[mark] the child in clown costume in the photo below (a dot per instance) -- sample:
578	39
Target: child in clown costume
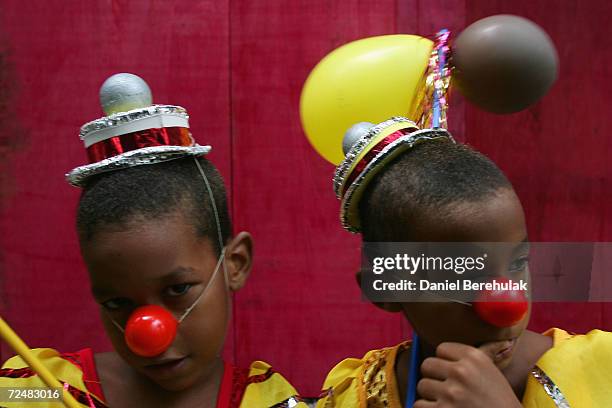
156	237
440	191
406	183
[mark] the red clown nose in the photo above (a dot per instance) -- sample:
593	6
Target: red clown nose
150	330
501	308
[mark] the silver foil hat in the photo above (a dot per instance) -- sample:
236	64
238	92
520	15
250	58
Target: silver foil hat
134	133
369	155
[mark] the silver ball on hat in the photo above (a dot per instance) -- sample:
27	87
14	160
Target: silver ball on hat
355	133
123	92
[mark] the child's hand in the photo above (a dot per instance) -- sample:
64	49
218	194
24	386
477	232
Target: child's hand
462	376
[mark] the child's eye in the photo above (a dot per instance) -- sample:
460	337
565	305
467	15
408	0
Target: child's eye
178	290
116	304
519	265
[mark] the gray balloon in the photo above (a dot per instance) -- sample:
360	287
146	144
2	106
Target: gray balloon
504	63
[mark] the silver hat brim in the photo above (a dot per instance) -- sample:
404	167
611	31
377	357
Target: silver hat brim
146	155
349	208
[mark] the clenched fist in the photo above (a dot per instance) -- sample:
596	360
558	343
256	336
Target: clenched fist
462	376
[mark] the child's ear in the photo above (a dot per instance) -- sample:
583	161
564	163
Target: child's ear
392	307
239	260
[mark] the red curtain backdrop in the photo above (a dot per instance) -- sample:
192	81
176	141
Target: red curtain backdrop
238	67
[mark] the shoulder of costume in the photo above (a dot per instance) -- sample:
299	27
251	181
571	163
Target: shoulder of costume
17	361
71	369
578	365
348	381
593	338
77	358
264	387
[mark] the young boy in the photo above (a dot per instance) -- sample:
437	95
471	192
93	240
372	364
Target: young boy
156	237
399	184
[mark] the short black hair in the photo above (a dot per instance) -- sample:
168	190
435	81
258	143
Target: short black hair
153	191
428	179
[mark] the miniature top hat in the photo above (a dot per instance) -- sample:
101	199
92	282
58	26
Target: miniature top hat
135	132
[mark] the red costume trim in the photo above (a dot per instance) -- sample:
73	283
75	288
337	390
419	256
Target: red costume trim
17	372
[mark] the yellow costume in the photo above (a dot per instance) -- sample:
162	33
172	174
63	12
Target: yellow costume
576	372
258	386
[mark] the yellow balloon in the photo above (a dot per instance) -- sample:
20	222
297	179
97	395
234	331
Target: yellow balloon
368	80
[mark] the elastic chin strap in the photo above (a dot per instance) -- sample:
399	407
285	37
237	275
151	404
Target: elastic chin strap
221	245
448	299
208	285
212	203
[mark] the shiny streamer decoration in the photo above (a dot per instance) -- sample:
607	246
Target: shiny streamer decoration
431	102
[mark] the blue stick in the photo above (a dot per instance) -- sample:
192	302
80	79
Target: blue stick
413	372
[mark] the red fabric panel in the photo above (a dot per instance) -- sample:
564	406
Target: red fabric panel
301	308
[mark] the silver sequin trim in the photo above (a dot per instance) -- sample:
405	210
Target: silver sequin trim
147	155
122	118
550	387
374	166
342	170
